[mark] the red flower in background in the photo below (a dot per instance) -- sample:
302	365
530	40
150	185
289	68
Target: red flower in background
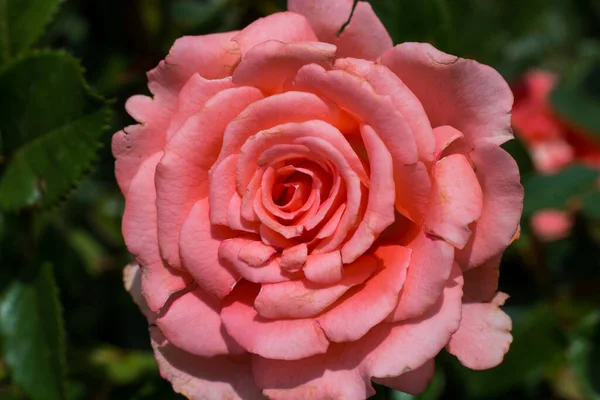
553	142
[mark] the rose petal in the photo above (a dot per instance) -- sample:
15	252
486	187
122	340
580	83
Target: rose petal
326	150
335	375
193	324
221	189
380	208
275	339
412	382
388	350
355	314
193	149
444	137
132	280
401	346
385	82
194	94
199	245
303	298
222	377
481	283
324	268
282	26
364	37
456	200
332	223
269	65
272	238
484	334
293	258
428	273
287	134
353	93
212	56
269	272
158	282
256	253
469	96
498	175
280	109
235	220
325	17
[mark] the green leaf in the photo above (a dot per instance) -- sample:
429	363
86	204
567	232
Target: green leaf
578	107
537	344
32	330
21	24
590	205
50	124
554	191
584	354
121	366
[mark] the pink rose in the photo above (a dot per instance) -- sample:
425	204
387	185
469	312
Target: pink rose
312	212
552	142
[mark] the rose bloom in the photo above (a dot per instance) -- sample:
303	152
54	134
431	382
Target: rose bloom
553	142
311	212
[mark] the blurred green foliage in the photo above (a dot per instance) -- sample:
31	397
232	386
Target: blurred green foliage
67	327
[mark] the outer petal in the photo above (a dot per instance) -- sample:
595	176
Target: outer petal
325	16
456	200
275	339
335	375
283	26
132	280
200	378
388	350
193	96
469	96
484	334
158	282
412	382
364	37
199	244
401	346
193	324
428	273
498	175
182	174
212	56
481	283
